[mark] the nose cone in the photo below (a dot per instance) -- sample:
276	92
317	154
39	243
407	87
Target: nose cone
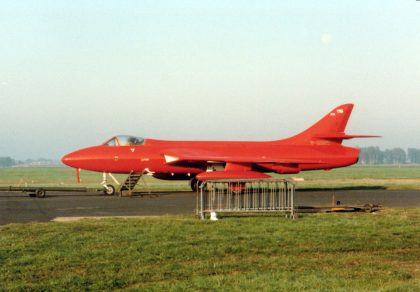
81	158
71	159
91	158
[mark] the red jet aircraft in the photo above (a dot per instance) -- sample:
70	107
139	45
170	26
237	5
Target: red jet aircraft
318	147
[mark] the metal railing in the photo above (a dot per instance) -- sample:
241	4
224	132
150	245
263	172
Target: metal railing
246	196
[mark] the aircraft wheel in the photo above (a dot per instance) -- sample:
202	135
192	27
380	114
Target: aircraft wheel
194	184
109	190
40	193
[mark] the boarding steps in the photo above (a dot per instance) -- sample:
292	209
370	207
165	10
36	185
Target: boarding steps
126	189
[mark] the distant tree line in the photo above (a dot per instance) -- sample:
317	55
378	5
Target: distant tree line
9	162
374	155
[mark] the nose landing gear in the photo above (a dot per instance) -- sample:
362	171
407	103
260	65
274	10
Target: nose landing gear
108	189
125	189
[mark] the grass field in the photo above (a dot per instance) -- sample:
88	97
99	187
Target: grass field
391	177
340	252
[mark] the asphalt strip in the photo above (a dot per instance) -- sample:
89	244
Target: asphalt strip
73	219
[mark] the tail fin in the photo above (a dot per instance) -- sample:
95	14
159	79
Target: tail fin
330	129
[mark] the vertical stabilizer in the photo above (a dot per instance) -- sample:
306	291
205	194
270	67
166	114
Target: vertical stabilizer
330	129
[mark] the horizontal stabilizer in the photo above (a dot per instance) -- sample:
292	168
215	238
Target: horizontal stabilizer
343	136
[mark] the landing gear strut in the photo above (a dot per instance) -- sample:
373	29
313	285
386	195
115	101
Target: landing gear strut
108	189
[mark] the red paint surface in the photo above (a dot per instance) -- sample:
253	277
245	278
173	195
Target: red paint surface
318	147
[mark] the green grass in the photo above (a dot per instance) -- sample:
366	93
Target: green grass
66	177
357	252
390	177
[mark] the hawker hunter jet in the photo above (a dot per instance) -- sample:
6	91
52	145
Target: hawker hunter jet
318	147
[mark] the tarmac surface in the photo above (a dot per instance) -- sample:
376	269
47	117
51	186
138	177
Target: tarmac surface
16	207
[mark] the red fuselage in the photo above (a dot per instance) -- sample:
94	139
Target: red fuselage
150	157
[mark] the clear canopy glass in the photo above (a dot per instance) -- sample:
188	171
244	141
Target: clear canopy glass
124	140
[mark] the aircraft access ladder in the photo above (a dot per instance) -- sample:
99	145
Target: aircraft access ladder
126	189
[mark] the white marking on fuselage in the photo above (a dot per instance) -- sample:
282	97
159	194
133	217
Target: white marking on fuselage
332	114
133	149
340	111
170	159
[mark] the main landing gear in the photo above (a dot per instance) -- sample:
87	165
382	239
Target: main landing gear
195	184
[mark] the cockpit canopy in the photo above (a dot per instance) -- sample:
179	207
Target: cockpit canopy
124	140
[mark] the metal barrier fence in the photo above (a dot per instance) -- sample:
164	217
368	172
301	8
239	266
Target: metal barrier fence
246	196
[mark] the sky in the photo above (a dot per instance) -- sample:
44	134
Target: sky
75	73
